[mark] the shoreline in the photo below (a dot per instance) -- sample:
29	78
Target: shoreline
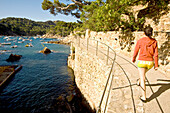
58	42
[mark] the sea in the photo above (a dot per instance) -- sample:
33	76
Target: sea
43	83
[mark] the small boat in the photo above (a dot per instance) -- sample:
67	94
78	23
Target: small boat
10	39
20	42
31	45
28	45
14	46
20	38
6	37
8	43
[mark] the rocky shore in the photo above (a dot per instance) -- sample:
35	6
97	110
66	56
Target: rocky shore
59	42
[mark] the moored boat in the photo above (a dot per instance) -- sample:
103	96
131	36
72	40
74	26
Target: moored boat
6	37
6	43
20	42
14	46
10	39
28	45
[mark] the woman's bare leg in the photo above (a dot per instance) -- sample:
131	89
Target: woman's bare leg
142	72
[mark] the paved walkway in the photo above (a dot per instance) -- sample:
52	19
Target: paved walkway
124	96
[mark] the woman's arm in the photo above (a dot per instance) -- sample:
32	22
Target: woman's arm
135	52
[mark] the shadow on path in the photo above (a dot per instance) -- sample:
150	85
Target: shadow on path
123	87
160	90
163	87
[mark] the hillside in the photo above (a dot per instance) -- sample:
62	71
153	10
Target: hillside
26	27
23	26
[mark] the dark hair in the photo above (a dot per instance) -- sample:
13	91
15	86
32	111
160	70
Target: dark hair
148	31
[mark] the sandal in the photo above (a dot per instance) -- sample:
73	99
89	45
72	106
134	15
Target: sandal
143	100
138	82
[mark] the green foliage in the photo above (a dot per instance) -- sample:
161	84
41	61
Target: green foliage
22	26
109	15
64	28
60	7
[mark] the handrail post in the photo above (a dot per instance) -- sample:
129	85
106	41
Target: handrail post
107	56
98	109
87	43
97	48
79	42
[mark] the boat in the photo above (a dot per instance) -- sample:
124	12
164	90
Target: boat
28	45
20	38
6	73
10	39
20	42
14	46
6	43
6	37
31	45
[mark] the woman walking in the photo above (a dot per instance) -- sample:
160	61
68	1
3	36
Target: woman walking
148	57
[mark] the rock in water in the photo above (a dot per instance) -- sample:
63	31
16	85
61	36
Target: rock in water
46	50
13	58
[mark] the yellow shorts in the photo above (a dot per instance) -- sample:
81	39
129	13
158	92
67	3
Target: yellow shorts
145	64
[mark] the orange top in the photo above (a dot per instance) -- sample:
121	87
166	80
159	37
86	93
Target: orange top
148	50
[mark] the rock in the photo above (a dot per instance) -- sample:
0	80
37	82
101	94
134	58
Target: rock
70	98
45	50
13	58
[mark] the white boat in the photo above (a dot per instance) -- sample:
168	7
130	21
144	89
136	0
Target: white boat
9	39
6	37
20	42
31	45
14	46
35	37
20	38
8	43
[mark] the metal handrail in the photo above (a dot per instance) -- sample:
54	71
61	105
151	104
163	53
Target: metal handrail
110	73
111	70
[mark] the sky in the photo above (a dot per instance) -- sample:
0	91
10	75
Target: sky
30	9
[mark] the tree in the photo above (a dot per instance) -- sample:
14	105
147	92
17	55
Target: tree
105	15
22	26
74	8
116	14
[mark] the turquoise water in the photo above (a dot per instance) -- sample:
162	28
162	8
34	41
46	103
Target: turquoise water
42	79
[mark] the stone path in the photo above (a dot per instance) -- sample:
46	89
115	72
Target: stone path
124	96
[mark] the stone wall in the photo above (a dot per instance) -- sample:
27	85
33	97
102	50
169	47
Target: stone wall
126	45
91	74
